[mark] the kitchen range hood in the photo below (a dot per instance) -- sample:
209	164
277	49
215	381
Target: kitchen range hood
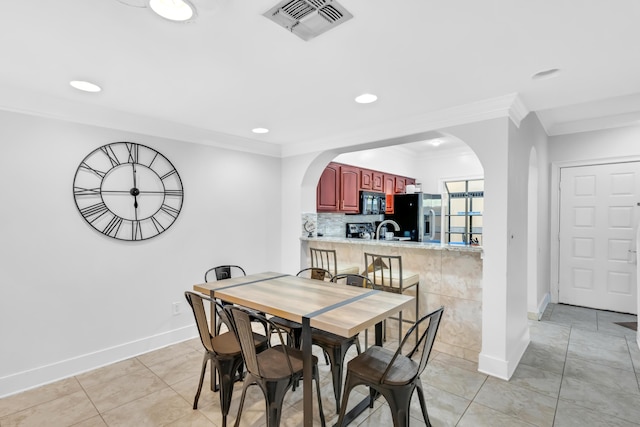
308	18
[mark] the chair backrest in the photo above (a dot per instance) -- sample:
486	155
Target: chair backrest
196	301
315	273
424	344
384	270
241	325
222	272
357	280
324	258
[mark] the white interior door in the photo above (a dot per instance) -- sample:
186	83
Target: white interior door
598	221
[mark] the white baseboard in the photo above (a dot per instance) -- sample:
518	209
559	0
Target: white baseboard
501	368
541	308
22	381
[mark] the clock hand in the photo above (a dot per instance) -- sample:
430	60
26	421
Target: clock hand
135	191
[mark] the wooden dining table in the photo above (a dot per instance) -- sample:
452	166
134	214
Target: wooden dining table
336	308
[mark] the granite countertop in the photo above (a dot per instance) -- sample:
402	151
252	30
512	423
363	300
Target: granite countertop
395	243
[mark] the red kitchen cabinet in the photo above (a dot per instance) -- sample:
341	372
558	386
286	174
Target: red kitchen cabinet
377	181
366	179
339	187
400	184
328	190
389	190
349	189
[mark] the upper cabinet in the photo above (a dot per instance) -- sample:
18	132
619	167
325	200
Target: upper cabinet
349	189
328	191
339	187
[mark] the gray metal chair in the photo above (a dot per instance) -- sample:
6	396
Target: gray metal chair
274	370
327	259
334	346
393	374
223	272
222	350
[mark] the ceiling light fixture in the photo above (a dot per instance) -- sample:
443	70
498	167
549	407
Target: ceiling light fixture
174	10
546	74
85	86
436	142
366	98
260	130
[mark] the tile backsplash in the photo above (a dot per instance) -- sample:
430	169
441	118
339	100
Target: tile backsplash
334	224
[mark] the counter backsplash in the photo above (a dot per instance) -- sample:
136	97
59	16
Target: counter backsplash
334	225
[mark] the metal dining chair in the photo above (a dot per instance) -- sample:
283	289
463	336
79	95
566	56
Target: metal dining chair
334	346
327	259
395	375
275	370
223	272
222	350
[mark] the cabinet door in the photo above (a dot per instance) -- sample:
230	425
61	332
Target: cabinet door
377	181
409	181
389	189
400	185
366	179
349	189
328	191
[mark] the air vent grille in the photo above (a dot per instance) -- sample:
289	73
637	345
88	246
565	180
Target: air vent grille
330	13
308	18
298	9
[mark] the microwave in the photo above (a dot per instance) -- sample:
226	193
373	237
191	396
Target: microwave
372	203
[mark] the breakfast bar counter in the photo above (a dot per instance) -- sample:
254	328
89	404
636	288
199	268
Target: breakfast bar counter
450	275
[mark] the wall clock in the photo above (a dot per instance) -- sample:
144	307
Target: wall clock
128	191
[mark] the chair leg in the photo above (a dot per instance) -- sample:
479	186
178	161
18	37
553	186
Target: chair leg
316	376
399	401
202	372
248	380
274	395
423	405
349	383
227	369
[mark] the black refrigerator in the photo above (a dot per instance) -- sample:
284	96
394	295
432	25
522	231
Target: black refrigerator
418	215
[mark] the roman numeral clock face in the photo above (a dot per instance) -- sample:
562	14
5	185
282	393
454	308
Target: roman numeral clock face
128	191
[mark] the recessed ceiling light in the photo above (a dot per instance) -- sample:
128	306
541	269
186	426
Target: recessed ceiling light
173	10
436	142
260	130
366	98
85	86
546	74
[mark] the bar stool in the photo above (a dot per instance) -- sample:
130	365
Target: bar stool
385	271
327	259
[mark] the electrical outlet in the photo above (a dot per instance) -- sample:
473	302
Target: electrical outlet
175	307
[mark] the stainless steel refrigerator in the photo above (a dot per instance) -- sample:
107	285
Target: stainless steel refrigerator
418	215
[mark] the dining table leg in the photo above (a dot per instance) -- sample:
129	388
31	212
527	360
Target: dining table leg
307	372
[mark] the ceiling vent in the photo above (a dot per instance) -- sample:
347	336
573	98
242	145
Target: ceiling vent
308	18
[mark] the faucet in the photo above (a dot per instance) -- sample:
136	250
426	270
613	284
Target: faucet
386	221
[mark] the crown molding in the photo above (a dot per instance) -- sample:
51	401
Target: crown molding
510	106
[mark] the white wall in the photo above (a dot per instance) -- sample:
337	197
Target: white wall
616	144
490	141
72	299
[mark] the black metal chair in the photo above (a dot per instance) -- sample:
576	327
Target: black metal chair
393	374
222	350
274	370
334	346
223	272
294	329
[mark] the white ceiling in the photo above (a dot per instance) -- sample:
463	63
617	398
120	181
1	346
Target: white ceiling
213	80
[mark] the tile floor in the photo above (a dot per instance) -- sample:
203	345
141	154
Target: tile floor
581	369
